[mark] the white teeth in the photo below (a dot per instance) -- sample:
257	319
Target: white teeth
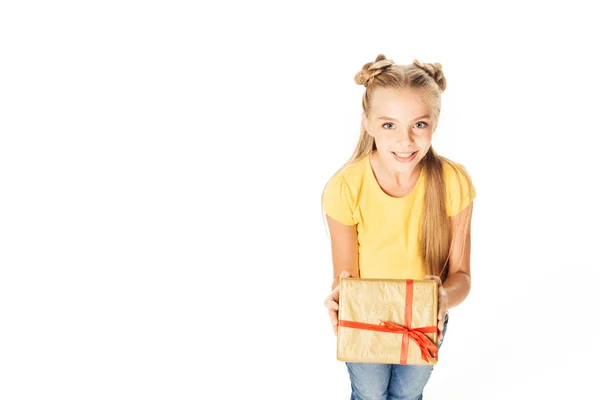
403	154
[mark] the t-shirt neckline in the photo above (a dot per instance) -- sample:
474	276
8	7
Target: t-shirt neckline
371	174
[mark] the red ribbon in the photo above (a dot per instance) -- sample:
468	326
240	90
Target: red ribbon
428	349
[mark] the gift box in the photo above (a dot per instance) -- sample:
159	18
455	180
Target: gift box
390	321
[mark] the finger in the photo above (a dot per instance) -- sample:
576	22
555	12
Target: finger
335	293
327	300
333	316
434	278
331	304
336	289
345	274
441	314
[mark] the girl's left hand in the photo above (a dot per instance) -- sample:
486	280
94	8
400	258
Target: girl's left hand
442	304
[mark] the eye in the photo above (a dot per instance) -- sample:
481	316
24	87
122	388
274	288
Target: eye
420	122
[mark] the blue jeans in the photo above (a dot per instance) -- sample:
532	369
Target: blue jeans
371	381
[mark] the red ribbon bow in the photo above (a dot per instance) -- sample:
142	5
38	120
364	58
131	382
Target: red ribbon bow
428	349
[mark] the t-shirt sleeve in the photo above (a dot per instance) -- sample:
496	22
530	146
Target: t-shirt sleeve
337	200
460	191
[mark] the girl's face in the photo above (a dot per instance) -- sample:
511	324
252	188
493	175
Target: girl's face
402	126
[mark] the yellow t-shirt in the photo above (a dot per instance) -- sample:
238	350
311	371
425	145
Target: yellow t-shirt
387	226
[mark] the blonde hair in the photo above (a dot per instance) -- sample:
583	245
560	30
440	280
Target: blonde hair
429	80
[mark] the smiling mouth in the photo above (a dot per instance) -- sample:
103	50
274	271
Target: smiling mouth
403	155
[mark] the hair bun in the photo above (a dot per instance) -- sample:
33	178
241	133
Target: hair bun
371	69
435	71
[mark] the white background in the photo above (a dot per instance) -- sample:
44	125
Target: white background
161	167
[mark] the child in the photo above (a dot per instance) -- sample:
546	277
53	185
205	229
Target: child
398	210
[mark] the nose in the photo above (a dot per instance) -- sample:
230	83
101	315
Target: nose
404	137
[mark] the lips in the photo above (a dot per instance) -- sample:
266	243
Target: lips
404	154
404	157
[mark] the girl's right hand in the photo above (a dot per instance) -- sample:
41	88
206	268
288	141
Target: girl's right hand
332	303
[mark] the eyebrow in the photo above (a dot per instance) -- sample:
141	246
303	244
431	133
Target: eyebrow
393	119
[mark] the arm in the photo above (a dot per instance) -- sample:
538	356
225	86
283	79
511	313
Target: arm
344	249
458	282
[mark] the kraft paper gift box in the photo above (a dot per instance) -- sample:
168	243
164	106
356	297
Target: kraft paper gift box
390	321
